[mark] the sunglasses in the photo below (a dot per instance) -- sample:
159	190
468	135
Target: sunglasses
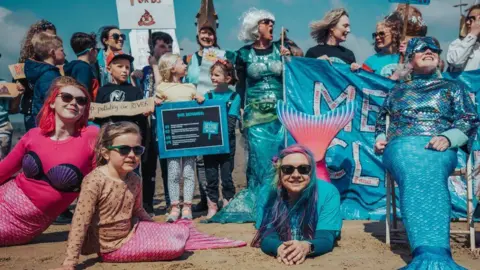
125	149
471	18
380	34
67	98
424	49
46	26
302	169
267	21
118	36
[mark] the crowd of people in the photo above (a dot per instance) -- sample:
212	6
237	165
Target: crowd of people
109	164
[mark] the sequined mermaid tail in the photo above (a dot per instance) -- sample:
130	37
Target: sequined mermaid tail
20	220
422	177
165	241
315	132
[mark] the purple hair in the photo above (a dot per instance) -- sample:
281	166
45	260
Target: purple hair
278	212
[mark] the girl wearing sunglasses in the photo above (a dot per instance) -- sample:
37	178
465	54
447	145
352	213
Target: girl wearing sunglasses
50	160
109	218
112	40
302	213
464	53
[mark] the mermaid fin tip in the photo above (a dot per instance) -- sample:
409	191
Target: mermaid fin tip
422	263
315	132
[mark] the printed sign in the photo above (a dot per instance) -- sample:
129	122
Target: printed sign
146	14
102	110
8	90
192	129
411	2
17	71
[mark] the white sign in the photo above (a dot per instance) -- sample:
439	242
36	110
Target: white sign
139	45
146	14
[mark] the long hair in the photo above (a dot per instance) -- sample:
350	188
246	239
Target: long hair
394	25
464	29
107	135
320	29
46	116
278	211
165	65
27	47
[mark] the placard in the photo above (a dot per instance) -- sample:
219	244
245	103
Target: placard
146	14
17	71
191	129
102	110
411	2
139	45
8	90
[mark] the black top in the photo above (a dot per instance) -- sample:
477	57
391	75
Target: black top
121	93
338	53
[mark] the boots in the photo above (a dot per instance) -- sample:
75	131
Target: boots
212	209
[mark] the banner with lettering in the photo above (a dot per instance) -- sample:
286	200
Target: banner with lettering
315	87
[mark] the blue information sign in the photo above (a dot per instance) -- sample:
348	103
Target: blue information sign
191	129
411	2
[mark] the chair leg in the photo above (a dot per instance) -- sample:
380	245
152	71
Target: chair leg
470	220
388	209
394	202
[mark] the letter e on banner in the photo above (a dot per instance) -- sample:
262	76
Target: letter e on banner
367	107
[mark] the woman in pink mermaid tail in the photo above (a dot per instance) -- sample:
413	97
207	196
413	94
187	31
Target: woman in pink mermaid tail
54	158
109	218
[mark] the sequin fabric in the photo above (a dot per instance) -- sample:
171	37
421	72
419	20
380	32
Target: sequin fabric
427	107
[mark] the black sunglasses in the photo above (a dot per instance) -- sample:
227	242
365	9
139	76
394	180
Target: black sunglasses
471	18
267	21
302	169
381	34
125	149
118	36
47	25
67	98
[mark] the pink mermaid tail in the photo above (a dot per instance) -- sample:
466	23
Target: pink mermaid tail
164	242
20	220
315	132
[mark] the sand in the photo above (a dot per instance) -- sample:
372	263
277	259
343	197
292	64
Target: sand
362	246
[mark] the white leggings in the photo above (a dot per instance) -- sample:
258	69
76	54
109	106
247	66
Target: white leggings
175	168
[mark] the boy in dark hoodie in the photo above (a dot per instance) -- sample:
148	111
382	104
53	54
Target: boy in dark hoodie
84	46
40	74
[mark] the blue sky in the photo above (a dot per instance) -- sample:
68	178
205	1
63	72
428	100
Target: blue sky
88	15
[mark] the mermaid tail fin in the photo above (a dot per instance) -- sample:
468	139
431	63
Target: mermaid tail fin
315	132
200	241
431	258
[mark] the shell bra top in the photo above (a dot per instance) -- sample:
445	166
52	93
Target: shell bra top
63	177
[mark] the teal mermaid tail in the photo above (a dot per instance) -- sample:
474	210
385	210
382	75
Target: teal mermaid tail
315	132
422	177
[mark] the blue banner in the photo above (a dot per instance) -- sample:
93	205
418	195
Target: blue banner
315	87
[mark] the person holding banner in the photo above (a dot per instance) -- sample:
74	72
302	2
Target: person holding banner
50	160
430	118
259	70
302	215
329	32
464	53
112	40
6	128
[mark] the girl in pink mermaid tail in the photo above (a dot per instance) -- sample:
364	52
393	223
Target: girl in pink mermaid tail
109	219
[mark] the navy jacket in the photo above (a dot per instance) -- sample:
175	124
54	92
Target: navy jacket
40	76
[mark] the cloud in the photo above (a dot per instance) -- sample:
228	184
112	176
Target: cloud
188	46
13	26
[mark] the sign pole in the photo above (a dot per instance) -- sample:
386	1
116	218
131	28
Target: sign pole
405	21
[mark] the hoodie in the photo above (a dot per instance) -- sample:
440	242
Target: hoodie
84	74
40	76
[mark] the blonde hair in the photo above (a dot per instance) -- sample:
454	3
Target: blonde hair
43	43
165	65
464	30
107	135
320	29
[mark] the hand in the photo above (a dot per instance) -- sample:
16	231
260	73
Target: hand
475	27
403	47
148	113
380	146
355	67
152	61
325	57
20	88
281	255
284	51
158	101
200	99
296	251
439	143
137	74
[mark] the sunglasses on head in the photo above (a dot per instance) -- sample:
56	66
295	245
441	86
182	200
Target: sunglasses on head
302	169
380	34
118	36
67	98
47	25
267	21
125	149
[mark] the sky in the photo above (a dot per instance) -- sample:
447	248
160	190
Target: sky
296	15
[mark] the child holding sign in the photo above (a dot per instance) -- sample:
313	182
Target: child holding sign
222	74
170	71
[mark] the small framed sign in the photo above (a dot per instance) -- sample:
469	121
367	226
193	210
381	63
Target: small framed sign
191	129
411	2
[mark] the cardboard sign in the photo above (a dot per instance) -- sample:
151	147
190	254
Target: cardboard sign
102	110
192	129
8	90
139	45
411	2
17	71
146	14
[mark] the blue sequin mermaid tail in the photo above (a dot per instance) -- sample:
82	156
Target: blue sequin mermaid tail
422	177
